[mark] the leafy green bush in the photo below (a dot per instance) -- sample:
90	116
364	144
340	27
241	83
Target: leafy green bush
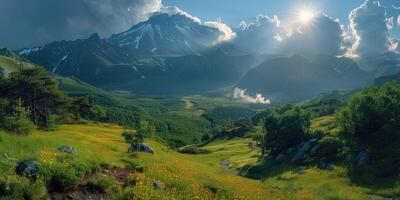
286	130
100	184
370	122
192	150
329	149
63	179
22	189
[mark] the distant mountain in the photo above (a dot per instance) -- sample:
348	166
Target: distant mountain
166	53
384	64
166	34
384	79
301	77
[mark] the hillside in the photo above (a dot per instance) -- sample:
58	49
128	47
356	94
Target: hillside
183	176
11	63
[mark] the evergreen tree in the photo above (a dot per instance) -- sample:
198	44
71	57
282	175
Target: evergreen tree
39	92
18	122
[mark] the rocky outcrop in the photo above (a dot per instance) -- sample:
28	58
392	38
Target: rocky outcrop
28	168
302	150
362	158
67	150
141	148
326	166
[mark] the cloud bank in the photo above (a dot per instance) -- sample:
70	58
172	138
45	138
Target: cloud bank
261	36
33	22
322	35
370	26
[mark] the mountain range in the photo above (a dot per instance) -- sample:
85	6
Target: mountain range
174	53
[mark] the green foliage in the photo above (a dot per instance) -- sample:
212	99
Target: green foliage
192	150
11	188
18	122
38	91
100	184
329	149
205	137
144	130
369	122
285	130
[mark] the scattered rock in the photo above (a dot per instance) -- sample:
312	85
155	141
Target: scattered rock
251	145
28	168
301	151
362	158
314	149
326	166
67	150
141	148
276	187
158	185
299	172
280	157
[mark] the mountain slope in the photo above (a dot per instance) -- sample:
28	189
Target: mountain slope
167	53
301	77
166	34
10	62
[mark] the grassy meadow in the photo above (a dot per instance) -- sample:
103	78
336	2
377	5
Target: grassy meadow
183	176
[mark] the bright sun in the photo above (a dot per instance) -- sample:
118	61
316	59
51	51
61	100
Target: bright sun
305	16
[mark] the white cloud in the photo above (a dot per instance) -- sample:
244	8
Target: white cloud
50	20
398	20
370	26
258	99
227	33
322	34
261	36
172	10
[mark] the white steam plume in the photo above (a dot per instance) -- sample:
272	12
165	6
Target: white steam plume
258	99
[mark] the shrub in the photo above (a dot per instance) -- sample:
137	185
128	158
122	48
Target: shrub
63	179
329	149
286	130
369	122
205	137
192	150
22	189
100	184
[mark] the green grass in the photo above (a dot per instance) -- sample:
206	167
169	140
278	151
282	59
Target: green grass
201	176
10	64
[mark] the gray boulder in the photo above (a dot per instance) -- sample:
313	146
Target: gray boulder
314	149
141	148
158	185
326	166
362	158
67	150
301	151
28	168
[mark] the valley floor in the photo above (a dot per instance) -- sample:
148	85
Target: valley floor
171	175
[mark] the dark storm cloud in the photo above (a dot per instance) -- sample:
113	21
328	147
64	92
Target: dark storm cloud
33	22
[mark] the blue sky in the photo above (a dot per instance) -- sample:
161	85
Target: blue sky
233	11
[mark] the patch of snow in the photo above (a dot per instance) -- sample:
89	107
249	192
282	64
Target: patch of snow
59	62
191	48
26	52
